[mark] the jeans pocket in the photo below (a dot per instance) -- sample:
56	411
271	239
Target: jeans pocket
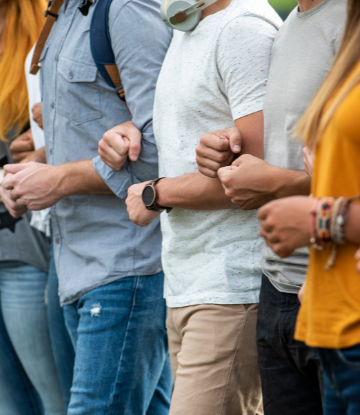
350	356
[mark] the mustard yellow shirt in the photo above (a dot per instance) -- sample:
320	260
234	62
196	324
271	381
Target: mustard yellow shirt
330	314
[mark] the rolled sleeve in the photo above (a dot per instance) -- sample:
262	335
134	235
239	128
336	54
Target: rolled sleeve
139	52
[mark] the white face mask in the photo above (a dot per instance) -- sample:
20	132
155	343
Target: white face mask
183	15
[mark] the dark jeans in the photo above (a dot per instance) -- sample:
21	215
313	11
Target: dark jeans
63	350
341	380
290	371
122	364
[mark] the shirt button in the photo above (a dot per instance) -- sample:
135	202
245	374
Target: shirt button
56	58
52	105
71	75
51	151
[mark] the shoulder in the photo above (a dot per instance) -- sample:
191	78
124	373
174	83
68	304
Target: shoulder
122	10
244	22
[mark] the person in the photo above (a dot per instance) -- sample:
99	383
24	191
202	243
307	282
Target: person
329	316
211	263
109	270
290	371
28	380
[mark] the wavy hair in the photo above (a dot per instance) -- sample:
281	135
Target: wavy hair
24	21
313	123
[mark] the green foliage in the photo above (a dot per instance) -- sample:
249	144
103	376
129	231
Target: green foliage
283	6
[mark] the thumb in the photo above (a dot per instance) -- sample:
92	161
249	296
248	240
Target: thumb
15	168
135	145
235	140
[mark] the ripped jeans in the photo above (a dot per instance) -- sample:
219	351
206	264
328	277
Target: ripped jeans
122	362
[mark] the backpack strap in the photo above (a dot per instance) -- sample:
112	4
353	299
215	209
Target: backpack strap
101	49
51	15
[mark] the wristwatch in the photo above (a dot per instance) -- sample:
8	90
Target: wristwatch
149	197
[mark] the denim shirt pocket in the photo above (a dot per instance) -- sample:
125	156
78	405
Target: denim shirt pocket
78	92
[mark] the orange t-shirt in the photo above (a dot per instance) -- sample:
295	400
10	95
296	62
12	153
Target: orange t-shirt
330	314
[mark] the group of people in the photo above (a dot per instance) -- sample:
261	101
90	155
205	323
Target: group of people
166	166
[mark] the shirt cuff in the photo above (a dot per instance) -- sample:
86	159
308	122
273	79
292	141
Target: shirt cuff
117	181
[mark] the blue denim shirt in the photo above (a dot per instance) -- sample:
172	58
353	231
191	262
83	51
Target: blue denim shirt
95	243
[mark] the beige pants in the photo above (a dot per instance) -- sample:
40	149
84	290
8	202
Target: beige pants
214	360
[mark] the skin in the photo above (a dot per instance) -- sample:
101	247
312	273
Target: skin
285	224
37	186
196	191
22	147
37	114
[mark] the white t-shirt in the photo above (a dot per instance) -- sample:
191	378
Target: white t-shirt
33	87
40	219
210	77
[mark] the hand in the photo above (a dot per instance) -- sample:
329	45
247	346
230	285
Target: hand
249	181
217	150
308	160
285	224
22	147
118	144
37	115
33	185
135	206
301	292
357	257
13	208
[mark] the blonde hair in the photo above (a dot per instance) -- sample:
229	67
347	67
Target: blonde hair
313	123
24	20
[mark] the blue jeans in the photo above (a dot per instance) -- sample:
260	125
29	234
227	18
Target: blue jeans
26	360
122	364
341	380
62	346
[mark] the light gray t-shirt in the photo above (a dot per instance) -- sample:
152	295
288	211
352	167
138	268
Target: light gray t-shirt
210	77
302	54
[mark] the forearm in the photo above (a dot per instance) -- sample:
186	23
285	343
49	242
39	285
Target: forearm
80	178
194	192
352	225
39	156
291	183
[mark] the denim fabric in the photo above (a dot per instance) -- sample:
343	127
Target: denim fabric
24	333
290	371
95	241
63	350
341	380
122	363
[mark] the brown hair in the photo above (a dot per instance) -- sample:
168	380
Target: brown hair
24	20
313	123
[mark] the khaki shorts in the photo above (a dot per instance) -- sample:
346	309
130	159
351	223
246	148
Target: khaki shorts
214	360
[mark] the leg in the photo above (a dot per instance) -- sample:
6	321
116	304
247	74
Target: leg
217	370
289	370
17	394
25	317
342	380
62	347
121	346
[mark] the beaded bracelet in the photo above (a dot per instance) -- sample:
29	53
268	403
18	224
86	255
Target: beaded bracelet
327	229
323	221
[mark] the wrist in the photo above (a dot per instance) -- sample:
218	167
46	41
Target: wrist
290	183
60	179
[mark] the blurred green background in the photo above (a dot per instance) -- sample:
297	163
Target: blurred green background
283	7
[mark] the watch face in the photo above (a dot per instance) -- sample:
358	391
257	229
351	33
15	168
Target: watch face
148	196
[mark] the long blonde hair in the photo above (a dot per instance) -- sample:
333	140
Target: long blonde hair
24	20
313	123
